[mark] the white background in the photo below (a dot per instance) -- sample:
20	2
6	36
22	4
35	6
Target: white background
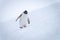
44	16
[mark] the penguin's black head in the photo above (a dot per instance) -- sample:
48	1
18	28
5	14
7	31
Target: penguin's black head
25	12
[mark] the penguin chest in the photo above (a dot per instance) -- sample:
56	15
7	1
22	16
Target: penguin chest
23	19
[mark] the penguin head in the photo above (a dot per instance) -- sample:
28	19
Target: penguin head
25	12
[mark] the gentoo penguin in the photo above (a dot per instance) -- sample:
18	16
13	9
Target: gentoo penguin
24	19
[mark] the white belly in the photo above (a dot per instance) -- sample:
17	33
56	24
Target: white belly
23	20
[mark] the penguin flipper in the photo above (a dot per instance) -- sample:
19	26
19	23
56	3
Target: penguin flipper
19	17
28	21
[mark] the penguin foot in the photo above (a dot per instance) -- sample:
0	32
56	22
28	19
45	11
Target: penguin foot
21	27
24	25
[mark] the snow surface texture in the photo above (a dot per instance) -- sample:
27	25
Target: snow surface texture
45	25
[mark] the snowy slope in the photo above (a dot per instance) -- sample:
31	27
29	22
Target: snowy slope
44	26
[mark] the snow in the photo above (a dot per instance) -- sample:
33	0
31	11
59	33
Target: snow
45	24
